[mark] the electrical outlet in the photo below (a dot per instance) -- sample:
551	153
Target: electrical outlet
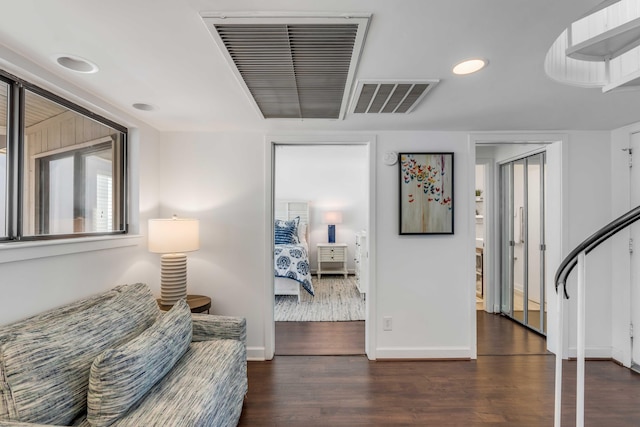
387	323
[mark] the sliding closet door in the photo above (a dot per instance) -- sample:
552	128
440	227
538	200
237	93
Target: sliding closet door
506	241
519	236
536	310
523	248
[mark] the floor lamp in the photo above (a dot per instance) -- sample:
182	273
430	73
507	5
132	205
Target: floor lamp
172	237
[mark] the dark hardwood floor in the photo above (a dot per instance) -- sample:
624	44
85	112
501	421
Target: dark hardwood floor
510	384
500	336
319	338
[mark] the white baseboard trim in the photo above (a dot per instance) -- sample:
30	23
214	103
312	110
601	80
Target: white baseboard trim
595	352
423	353
620	356
256	354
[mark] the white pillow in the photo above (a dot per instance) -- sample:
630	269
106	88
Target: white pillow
302	233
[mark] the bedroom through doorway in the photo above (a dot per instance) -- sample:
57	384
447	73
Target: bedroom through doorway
321	209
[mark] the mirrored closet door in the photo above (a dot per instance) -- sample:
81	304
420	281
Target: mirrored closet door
522	186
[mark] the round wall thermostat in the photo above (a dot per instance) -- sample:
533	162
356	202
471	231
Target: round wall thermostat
390	158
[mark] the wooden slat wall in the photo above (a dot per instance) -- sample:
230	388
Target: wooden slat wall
287	209
64	130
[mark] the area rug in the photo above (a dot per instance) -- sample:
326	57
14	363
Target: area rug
336	300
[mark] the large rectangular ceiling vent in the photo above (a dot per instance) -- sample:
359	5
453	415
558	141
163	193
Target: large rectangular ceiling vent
292	67
390	96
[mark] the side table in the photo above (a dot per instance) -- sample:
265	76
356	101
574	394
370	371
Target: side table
332	253
197	304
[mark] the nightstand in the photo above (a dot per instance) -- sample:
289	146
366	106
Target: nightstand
197	304
333	254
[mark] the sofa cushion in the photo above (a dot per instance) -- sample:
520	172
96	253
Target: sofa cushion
121	377
45	360
205	388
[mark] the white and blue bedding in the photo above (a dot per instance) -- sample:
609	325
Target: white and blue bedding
292	261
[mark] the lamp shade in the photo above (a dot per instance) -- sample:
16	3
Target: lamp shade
175	235
332	217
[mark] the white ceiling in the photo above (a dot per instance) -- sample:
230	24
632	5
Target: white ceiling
160	52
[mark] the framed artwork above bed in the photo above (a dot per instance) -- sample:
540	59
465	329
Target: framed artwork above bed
426	193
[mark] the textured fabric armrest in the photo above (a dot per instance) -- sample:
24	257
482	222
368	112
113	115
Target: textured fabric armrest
208	327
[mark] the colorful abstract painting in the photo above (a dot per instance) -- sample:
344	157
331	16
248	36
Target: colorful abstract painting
426	193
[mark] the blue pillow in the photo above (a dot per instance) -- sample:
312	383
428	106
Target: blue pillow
286	232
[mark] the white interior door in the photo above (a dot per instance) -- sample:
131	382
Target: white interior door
635	259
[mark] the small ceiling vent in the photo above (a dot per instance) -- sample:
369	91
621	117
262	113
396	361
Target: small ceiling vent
292	67
390	96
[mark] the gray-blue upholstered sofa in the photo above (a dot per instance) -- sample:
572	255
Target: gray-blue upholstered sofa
116	360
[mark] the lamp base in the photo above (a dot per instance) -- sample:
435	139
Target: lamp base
173	282
332	234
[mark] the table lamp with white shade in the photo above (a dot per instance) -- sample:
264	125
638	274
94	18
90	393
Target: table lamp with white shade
332	218
172	237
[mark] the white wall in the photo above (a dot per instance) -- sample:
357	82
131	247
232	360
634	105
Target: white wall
31	286
218	178
588	208
421	280
620	260
330	177
46	278
426	282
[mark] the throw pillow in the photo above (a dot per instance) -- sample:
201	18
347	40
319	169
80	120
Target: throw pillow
302	234
51	354
286	232
120	377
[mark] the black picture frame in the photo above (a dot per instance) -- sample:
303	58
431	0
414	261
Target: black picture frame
426	193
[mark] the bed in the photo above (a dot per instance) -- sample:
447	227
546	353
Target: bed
291	260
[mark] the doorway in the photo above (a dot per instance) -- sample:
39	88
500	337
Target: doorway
523	249
325	181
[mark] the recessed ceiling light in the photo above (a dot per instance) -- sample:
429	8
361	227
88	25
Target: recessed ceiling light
469	66
143	107
77	64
